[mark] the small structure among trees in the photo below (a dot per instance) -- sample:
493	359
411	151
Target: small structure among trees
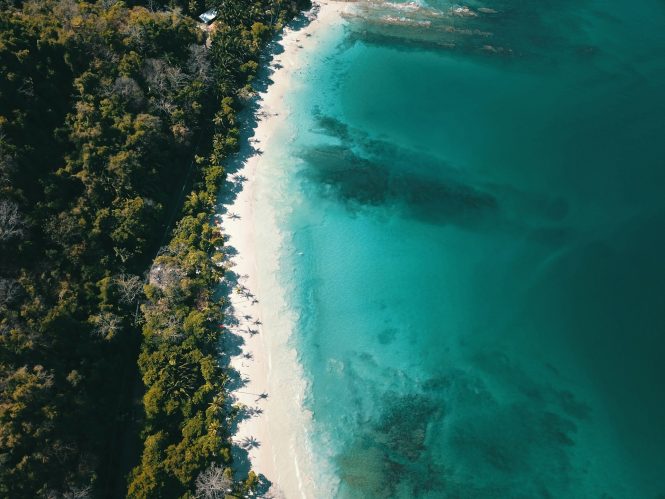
208	16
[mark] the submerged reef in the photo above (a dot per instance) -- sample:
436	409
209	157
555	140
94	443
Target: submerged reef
520	444
362	172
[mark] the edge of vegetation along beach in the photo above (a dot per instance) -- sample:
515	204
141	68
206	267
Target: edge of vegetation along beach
102	107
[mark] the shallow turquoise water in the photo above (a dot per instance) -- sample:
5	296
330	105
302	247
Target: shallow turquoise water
478	250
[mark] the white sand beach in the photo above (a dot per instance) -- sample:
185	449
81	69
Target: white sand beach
273	431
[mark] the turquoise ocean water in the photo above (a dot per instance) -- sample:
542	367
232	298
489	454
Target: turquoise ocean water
477	249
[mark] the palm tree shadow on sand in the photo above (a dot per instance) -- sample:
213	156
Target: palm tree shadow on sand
235	327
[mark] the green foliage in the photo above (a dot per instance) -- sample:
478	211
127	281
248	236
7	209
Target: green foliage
102	107
184	399
99	109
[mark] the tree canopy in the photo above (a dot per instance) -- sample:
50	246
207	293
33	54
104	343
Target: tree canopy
103	108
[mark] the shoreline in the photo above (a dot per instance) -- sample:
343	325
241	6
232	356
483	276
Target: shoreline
267	380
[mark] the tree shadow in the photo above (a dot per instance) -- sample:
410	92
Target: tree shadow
264	490
235	380
231	344
242	467
242	413
250	443
241	462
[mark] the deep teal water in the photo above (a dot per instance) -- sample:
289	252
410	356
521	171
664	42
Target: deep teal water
478	248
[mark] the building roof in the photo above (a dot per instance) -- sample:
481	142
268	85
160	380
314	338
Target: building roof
208	16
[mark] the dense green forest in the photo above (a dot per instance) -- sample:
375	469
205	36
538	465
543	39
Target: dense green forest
115	121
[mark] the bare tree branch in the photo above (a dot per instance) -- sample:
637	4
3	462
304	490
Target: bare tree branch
130	287
128	89
11	221
83	492
199	64
213	483
107	325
